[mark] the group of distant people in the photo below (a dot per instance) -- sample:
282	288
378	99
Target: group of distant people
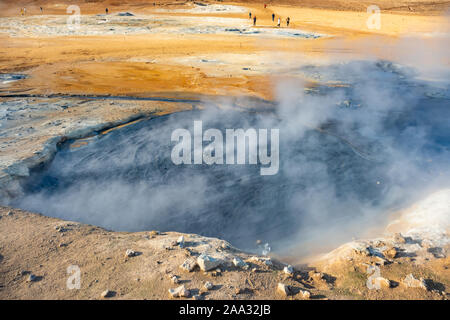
288	19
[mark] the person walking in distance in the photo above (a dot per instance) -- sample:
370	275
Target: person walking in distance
288	20
273	16
249	15
106	10
279	22
254	20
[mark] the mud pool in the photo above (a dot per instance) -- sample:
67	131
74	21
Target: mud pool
358	155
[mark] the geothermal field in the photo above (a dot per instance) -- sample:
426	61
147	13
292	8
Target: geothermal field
201	150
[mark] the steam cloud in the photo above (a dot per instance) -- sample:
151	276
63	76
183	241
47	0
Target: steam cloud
348	155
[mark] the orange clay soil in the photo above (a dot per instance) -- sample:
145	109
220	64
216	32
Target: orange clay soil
104	64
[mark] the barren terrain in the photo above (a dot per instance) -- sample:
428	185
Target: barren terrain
172	56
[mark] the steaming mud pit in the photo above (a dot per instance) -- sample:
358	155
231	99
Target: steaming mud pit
357	164
359	137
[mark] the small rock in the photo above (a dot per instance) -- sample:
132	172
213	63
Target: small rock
391	253
107	294
188	265
187	252
427	244
207	262
304	294
412	282
316	276
60	229
374	252
237	262
285	290
264	260
380	282
362	252
378	243
130	253
243	291
288	270
180	242
179	292
398	238
174	279
197	297
208	285
125	14
216	273
10	213
381	261
437	252
225	246
385	283
31	278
